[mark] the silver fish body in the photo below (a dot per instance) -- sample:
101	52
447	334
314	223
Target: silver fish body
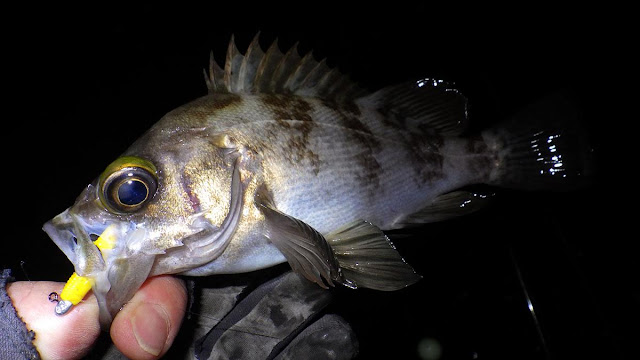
286	160
327	169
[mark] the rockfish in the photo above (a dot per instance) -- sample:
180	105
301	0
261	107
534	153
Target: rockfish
287	160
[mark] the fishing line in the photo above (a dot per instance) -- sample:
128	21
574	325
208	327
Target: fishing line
24	270
530	307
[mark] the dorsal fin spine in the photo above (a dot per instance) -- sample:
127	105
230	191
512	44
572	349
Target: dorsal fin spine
247	72
232	66
278	73
312	80
267	65
284	69
298	75
215	78
327	80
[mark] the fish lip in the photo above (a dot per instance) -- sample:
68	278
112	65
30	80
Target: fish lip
61	236
116	276
72	235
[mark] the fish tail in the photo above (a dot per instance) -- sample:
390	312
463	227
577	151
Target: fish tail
542	147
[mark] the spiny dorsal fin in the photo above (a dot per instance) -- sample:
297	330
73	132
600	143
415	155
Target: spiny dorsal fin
276	72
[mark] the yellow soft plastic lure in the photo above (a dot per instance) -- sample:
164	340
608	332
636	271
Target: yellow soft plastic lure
78	286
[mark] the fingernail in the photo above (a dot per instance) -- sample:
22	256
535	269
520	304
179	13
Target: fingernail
150	327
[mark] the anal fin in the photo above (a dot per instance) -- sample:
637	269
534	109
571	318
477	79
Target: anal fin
358	255
367	258
447	206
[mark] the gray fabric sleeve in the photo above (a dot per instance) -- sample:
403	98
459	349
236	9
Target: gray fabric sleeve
16	341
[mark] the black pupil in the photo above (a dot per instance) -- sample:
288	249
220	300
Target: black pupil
132	192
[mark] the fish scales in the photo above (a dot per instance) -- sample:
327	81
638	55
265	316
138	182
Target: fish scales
288	160
304	141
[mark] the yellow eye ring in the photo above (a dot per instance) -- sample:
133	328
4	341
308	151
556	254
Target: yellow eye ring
127	184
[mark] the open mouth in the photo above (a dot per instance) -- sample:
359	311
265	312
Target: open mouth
95	249
76	240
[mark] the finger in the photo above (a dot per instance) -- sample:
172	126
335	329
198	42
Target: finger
57	337
147	325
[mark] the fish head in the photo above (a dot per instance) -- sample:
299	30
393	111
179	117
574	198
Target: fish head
164	212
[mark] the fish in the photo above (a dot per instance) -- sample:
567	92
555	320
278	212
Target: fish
286	159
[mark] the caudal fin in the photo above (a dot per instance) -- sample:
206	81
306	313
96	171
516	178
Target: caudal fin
542	147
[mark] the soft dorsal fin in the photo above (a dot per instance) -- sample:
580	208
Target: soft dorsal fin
276	72
423	106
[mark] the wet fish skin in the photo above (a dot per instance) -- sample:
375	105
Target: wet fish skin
286	154
287	160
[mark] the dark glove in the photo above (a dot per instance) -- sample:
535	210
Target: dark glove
254	316
279	319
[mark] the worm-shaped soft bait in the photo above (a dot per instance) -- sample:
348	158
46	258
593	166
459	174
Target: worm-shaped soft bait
78	286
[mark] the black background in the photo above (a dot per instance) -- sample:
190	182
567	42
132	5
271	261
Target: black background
82	83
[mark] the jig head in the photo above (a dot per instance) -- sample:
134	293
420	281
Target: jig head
78	286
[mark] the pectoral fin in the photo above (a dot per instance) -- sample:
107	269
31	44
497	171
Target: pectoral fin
357	255
305	249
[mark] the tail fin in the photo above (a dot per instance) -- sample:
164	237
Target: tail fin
542	147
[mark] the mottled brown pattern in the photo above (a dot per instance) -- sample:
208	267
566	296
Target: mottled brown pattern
287	108
196	114
371	176
423	145
349	115
476	145
427	159
484	159
222	101
392	117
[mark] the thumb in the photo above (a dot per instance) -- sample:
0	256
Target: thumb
147	325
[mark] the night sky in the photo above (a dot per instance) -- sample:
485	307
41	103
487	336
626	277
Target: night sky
84	83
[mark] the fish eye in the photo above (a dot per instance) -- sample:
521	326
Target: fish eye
132	192
127	184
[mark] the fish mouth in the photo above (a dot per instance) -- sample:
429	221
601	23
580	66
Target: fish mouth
116	271
75	238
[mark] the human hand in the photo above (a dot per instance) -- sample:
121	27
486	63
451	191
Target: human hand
279	316
144	329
